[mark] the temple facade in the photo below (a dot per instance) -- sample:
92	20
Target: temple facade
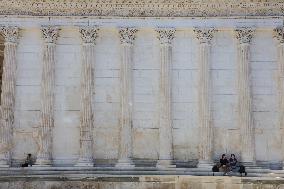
125	84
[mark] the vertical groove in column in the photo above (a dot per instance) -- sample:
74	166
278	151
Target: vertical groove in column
88	36
44	157
165	36
279	35
127	37
244	36
8	93
204	112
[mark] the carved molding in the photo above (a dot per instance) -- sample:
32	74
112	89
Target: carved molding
127	35
143	8
49	34
10	33
89	34
204	35
279	35
166	35
244	35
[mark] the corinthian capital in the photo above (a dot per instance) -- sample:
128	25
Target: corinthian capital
127	35
10	33
166	35
89	34
244	35
204	35
49	34
279	35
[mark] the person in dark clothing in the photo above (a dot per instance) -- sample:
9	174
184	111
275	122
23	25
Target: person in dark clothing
233	163
28	161
224	164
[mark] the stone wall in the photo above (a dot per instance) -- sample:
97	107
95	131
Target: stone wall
145	81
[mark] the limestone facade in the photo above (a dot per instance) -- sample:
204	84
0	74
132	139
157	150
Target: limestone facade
113	90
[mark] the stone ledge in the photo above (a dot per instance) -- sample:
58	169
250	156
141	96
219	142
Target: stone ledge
146	182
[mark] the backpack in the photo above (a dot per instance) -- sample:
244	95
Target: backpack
215	168
242	169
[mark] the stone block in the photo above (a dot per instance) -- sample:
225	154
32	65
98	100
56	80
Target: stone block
145	143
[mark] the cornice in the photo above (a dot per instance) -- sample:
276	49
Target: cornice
143	8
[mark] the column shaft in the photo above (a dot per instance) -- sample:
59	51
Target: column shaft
88	36
280	83
165	138
8	94
245	120
204	105
127	37
204	112
44	157
86	114
279	35
165	37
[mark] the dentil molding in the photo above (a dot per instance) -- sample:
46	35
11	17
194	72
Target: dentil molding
143	8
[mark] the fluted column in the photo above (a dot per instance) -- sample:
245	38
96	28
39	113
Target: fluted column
204	112
245	121
279	35
44	157
8	93
127	37
88	36
165	36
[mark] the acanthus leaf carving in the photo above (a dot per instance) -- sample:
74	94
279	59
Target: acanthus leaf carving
166	35
279	34
244	35
89	34
127	35
204	35
50	33
10	33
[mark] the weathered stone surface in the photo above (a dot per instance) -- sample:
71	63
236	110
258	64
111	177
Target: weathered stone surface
144	8
183	92
156	182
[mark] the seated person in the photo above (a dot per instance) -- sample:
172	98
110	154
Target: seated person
224	164
28	161
233	163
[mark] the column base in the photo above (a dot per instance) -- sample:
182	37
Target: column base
43	163
249	163
4	160
205	164
165	163
84	163
4	163
125	163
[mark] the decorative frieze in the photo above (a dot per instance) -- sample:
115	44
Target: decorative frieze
143	8
204	112
165	37
49	35
88	36
8	92
127	37
245	120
